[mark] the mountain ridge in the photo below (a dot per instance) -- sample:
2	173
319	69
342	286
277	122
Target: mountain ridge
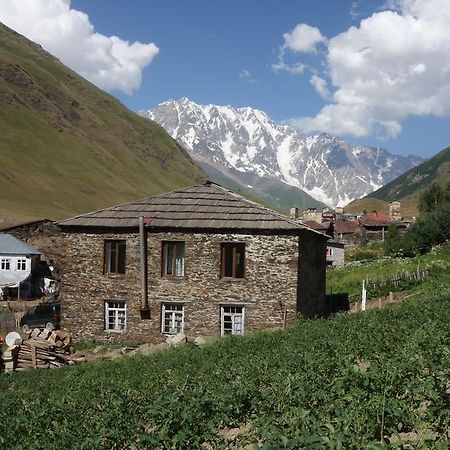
248	141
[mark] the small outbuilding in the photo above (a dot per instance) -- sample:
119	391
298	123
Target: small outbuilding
19	267
200	261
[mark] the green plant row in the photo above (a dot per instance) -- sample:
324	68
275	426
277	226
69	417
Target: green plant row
377	379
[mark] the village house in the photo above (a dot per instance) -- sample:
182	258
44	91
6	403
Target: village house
19	269
200	261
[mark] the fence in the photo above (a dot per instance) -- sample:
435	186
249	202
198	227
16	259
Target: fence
399	281
10	321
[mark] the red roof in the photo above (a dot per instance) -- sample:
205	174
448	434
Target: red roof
375	216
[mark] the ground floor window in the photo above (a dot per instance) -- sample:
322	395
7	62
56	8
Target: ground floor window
115	315
232	320
172	318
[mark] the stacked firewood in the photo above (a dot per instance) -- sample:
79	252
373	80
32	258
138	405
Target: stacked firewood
43	349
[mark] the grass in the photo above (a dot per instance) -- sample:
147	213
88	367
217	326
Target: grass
348	279
377	379
67	147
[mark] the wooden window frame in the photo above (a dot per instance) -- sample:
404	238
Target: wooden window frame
233	315
234	245
116	326
108	243
164	252
166	308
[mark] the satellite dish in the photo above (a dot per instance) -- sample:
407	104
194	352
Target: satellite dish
11	338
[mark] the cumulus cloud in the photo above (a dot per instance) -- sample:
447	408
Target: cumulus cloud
107	61
395	64
302	39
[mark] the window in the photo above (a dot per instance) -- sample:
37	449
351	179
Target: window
21	264
115	315
172	318
329	251
115	256
232	259
5	264
232	320
173	259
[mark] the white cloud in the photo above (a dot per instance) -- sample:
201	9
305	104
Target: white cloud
395	64
245	74
320	85
108	61
303	39
354	10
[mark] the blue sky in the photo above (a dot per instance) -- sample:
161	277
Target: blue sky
228	53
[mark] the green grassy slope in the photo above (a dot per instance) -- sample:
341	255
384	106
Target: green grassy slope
270	191
67	147
407	187
375	379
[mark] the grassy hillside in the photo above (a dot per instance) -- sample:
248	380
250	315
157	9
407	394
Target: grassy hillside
67	147
269	191
408	186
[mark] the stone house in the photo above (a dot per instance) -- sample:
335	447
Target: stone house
201	260
19	269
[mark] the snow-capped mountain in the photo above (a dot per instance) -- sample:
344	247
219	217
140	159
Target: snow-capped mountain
247	141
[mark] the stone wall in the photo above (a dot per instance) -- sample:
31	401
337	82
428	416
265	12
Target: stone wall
268	292
311	275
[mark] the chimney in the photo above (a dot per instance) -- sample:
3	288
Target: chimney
293	213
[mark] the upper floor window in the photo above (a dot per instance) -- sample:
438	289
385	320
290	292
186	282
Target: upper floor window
232	259
5	264
173	258
22	264
115	252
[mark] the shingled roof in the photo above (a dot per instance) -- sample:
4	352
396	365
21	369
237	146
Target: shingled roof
206	206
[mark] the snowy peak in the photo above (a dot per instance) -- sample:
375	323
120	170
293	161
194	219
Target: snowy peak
248	141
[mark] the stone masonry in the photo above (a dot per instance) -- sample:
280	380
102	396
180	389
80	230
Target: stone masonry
275	286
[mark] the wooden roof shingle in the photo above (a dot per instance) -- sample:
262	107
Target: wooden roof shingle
205	206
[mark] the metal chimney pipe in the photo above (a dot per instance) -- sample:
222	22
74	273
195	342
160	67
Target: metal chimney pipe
143	258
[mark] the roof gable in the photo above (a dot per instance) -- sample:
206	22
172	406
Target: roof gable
9	245
205	206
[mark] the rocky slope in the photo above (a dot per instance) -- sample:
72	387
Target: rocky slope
243	142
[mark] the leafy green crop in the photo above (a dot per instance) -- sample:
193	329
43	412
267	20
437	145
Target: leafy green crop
377	379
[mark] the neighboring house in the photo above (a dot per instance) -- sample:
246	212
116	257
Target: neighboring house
201	260
347	232
45	236
19	267
335	254
375	225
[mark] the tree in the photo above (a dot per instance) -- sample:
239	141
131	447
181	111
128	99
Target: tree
431	197
392	241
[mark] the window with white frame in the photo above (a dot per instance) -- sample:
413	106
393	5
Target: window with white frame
232	320
21	264
115	315
172	318
5	264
